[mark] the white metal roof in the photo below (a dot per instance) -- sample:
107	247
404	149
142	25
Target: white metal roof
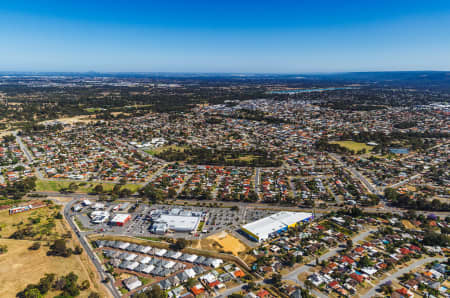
180	223
275	222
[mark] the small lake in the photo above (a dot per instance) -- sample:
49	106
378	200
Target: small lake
399	150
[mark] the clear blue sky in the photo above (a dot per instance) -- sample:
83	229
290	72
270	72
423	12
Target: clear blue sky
224	36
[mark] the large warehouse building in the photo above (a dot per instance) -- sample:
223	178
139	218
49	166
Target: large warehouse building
269	226
176	220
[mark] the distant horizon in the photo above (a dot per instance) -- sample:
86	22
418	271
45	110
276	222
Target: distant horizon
2	72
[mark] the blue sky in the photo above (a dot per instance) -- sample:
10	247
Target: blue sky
224	36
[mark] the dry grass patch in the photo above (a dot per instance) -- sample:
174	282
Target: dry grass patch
72	120
226	242
21	266
408	224
41	221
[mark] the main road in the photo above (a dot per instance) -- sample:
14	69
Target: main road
357	174
391	210
87	248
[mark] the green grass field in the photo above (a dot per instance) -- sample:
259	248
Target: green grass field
355	146
56	186
93	110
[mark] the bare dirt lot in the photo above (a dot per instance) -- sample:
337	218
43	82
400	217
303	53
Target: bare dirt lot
223	241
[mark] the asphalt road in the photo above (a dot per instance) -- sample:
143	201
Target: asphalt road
110	286
318	211
23	147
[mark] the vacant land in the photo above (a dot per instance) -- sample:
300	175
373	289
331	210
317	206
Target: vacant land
41	221
21	266
72	120
226	242
83	187
355	146
408	224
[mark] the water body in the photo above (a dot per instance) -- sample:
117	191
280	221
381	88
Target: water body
294	91
399	150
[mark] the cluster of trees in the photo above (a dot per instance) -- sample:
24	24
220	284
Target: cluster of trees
153	292
417	140
405	124
324	145
180	244
118	191
256	157
404	201
256	115
66	284
432	238
18	189
59	248
24	233
152	194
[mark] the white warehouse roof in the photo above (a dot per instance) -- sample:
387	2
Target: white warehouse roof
180	223
266	226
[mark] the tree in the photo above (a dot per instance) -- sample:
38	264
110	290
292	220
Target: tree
349	244
308	284
85	285
155	292
276	279
78	250
59	248
180	244
291	260
387	289
33	293
45	283
125	192
3	249
171	193
365	262
251	286
98	189
35	246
